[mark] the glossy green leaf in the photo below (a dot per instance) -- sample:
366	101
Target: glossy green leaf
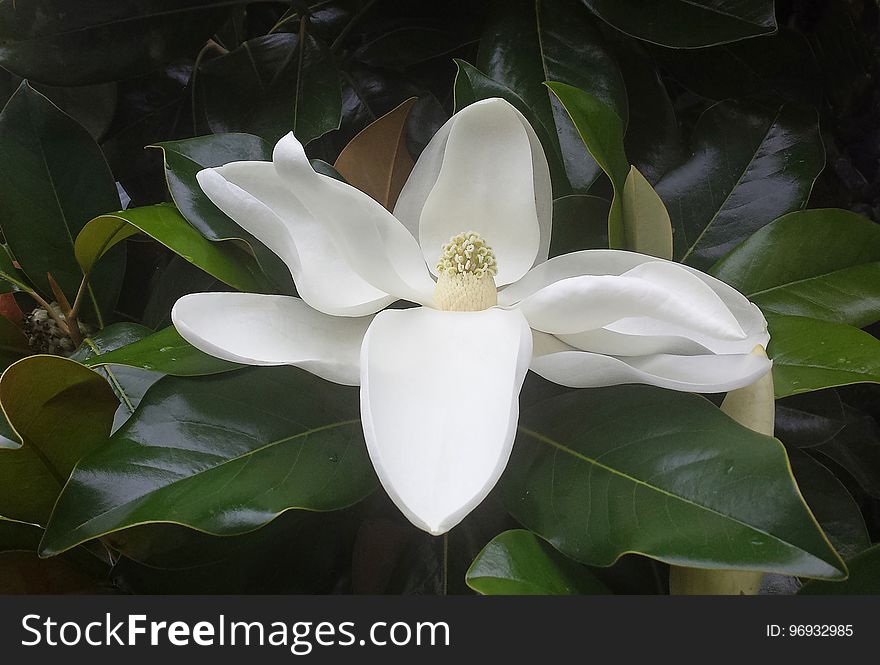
92	106
223	454
409	45
101	41
646	222
809	419
129	383
176	278
864	577
580	221
810	355
653	138
60	410
165	351
272	85
781	65
185	158
163	223
53	180
688	23
519	563
601	130
528	42
822	264
748	166
836	511
599	473
856	449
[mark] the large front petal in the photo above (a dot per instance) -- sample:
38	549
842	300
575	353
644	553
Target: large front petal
483	171
439	402
568	366
256	197
257	329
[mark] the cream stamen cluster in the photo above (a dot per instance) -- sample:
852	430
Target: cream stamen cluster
465	274
467	253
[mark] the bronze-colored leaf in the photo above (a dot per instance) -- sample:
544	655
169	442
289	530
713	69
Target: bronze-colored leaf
376	161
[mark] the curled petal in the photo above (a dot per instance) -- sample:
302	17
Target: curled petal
626	304
377	246
567	366
257	329
485	171
439	403
254	196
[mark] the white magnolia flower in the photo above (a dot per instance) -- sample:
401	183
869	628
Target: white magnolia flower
468	241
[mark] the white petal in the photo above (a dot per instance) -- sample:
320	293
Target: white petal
439	403
378	247
592	301
669	333
485	170
257	329
254	196
567	366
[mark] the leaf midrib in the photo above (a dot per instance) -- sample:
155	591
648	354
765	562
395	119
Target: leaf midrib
739	180
803	280
594	462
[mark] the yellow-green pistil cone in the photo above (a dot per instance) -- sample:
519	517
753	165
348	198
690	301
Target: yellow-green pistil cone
466	275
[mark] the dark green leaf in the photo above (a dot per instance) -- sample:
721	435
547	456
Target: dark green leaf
809	419
224	454
528	42
748	166
101	41
272	85
175	278
856	448
165	351
810	355
580	222
653	139
185	158
836	511
688	23
44	396
92	106
781	65
599	473
409	45
822	264
164	224
864	577
53	179
601	130
129	383
519	563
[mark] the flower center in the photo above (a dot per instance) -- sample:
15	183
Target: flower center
465	275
